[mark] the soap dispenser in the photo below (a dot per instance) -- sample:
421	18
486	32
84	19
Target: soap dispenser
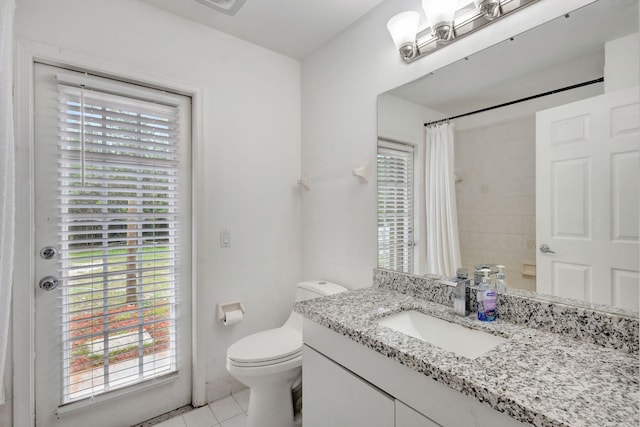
501	280
486	298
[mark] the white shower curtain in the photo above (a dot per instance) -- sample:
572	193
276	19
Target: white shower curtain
7	166
441	223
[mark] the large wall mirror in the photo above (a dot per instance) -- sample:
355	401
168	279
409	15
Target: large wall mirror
548	187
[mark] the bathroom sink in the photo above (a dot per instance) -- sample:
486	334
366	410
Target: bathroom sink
458	339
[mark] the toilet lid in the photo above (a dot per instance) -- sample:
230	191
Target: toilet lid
272	344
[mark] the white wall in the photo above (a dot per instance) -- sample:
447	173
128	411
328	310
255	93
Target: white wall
251	147
622	63
403	121
340	83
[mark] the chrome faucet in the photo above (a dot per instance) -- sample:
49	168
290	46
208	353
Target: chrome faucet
461	304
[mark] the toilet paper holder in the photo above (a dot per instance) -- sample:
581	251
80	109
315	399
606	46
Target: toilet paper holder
226	307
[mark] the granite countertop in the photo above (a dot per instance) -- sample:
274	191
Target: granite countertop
537	377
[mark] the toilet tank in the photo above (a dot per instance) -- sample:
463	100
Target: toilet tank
309	290
317	288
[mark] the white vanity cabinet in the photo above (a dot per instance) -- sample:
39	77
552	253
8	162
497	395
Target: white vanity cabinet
407	417
346	384
335	397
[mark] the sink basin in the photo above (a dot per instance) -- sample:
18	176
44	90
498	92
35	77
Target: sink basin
458	339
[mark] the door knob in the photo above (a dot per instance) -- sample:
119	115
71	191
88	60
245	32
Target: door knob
48	283
544	248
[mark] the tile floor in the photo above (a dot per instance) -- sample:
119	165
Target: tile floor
228	412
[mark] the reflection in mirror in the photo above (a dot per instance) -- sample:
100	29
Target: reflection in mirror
560	170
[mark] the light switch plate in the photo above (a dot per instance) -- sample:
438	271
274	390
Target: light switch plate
225	238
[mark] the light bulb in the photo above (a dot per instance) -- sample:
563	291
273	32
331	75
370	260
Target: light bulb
439	12
403	28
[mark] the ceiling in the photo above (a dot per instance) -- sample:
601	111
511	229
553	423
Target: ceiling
294	28
559	53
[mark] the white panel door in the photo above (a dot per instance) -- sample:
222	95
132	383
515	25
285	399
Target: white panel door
112	204
587	199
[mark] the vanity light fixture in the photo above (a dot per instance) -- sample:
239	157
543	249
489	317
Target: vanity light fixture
490	9
447	21
440	18
403	28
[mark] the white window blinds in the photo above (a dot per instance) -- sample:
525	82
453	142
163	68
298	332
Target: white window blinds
395	207
118	186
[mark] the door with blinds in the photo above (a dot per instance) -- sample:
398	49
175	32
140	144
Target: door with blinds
113	235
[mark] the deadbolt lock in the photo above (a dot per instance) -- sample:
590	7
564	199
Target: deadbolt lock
48	283
48	252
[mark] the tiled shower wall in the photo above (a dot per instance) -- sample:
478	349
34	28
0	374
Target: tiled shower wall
496	197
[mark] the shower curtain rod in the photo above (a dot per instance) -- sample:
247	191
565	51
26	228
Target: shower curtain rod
528	98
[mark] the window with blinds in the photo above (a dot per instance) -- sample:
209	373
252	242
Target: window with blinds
395	207
118	186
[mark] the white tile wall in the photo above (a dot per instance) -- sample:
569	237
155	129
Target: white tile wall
496	198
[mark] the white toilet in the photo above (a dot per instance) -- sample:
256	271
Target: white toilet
269	362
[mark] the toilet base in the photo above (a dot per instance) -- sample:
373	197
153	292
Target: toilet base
271	406
270	403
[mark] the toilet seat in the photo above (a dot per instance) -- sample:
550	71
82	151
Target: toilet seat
266	348
269	362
